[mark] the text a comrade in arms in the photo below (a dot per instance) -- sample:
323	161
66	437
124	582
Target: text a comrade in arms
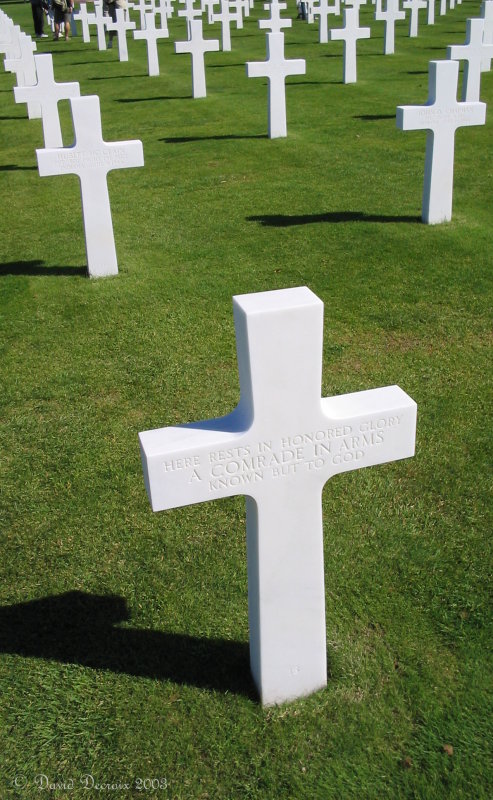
369	432
87	159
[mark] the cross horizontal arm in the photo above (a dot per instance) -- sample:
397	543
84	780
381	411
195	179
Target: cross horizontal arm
282	430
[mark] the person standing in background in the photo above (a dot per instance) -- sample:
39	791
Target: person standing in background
38	7
63	11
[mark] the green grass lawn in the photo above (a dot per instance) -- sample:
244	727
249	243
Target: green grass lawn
123	633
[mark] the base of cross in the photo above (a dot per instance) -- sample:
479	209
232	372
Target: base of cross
278	448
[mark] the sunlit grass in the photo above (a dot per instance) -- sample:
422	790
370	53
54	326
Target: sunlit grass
132	661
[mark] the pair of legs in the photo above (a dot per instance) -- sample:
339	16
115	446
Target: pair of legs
38	18
62	16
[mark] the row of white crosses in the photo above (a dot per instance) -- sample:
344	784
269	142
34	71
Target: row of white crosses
231	11
351	31
90	157
18	49
275	68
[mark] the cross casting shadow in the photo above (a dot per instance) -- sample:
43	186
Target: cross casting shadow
80	628
183	139
285	221
418	72
149	99
14	168
373	117
38	268
2	118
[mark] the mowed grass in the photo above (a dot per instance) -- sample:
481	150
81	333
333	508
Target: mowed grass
124	634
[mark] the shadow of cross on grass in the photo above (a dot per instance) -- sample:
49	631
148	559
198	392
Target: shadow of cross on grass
285	220
80	628
36	267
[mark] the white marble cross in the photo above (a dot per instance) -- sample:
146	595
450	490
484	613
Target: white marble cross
237	8
121	26
431	12
309	11
440	116
414	7
392	14
472	52
197	46
487	16
91	158
276	68
151	34
322	10
85	19
224	17
100	22
350	34
189	12
279	447
5	22
10	44
23	65
144	7
443	7
46	93
208	6
276	23
165	10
